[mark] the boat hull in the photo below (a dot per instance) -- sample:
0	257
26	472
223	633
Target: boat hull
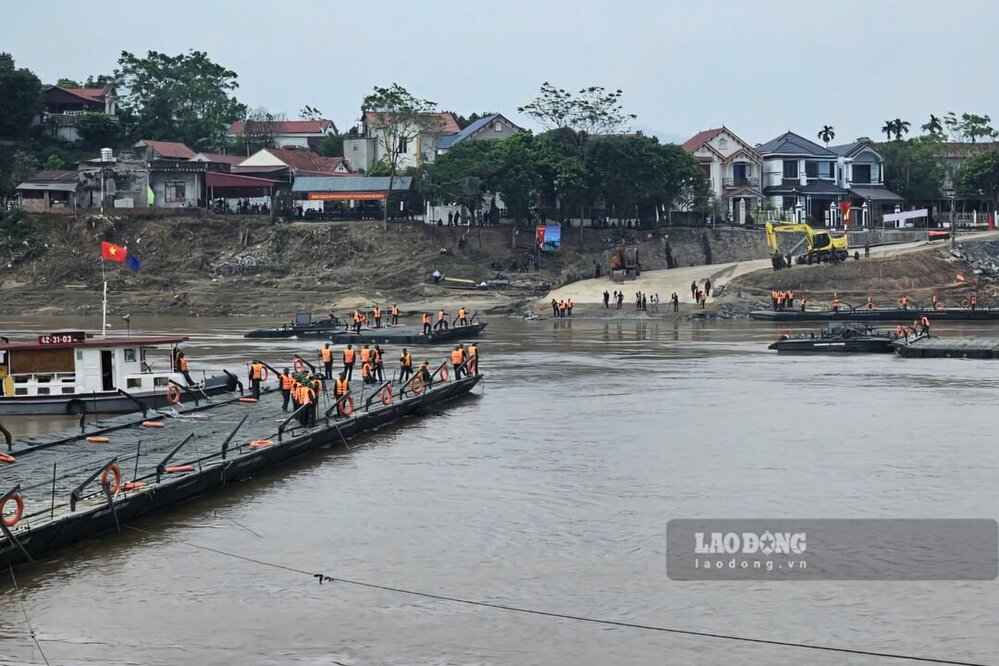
101	403
86	523
810	346
400	335
894	314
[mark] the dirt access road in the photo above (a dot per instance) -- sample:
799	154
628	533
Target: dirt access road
665	282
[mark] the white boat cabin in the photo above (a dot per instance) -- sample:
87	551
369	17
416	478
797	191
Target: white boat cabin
65	364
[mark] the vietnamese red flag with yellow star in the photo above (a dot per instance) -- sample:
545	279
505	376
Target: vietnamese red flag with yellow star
112	252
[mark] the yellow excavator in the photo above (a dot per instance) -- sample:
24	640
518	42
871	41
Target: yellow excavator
820	245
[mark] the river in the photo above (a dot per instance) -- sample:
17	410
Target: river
549	489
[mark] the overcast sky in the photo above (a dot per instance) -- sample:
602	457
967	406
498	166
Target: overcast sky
760	67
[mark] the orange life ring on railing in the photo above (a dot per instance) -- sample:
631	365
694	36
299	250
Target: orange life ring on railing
386	395
115	471
418	385
261	443
264	374
347	406
298	365
965	303
939	306
18	510
444	373
98	439
153	424
173	394
7	458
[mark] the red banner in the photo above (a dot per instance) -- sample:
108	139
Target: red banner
844	208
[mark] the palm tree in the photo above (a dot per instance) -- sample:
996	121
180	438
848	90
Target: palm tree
827	134
888	129
933	125
901	127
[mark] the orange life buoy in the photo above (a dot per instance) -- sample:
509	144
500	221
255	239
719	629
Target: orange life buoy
98	439
298	365
965	303
18	510
179	469
264	374
154	424
173	394
347	406
133	485
444	374
247	399
115	471
7	458
418	384
387	395
260	443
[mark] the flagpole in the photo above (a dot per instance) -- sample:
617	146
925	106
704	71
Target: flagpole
104	306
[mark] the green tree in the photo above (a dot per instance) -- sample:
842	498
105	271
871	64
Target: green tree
98	130
19	237
969	127
54	163
901	127
310	113
515	174
260	129
398	117
913	169
331	146
888	129
827	134
68	83
933	125
21	166
185	98
979	176
20	98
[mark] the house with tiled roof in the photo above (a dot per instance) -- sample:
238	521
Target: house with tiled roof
285	133
419	146
801	178
218	158
272	162
733	169
64	106
49	190
493	126
150	150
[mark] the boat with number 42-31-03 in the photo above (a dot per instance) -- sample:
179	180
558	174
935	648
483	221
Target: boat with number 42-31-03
71	372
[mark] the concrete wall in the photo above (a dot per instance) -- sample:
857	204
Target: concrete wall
360	153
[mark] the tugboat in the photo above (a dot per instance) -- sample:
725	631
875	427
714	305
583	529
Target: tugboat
838	338
335	331
71	372
303	326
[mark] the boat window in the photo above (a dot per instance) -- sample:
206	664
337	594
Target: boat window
43	378
161	381
68	389
20	391
134	382
42	361
130	356
79	354
43	390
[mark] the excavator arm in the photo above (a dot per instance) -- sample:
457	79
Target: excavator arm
821	245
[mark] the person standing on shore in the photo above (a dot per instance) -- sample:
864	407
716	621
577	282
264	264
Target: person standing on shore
693	291
707	287
676	302
606	299
554	308
620	299
395	314
378	316
645	303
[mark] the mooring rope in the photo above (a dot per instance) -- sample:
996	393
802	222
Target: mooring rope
31	630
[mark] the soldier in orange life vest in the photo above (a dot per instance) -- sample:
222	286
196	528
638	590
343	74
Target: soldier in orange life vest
405	366
341	386
365	355
307	398
366	373
395	314
182	368
973	303
256	376
287	384
348	362
426	323
925	326
904	302
378	317
870	303
836	303
357	321
457	358
424	372
441	320
462	317
473	358
327	355
376	363
568	307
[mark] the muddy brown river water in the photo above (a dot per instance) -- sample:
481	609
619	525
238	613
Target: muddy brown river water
550	489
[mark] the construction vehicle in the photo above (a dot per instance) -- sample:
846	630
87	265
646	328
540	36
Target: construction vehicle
820	245
624	263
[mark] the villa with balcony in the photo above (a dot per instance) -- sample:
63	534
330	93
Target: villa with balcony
733	169
64	106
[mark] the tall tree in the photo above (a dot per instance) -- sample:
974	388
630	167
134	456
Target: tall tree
979	176
98	131
969	127
913	169
827	134
888	129
310	113
933	125
592	110
260	129
397	117
20	98
68	83
901	127
185	98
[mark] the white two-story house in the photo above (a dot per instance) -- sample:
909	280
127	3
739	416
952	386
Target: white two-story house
419	145
862	173
800	179
733	169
